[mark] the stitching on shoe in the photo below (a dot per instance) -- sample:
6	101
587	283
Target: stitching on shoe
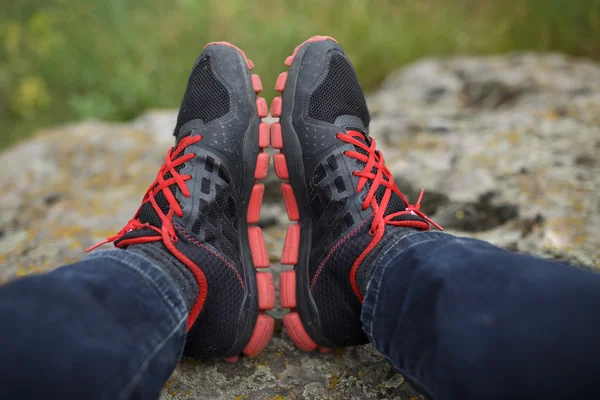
333	249
219	256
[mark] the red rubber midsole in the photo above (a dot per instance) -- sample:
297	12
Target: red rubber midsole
287	280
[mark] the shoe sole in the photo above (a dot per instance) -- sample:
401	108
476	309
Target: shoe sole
302	323
256	331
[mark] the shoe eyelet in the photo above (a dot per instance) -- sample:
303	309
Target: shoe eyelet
371	232
174	239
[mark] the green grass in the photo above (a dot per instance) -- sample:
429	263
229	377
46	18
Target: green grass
62	60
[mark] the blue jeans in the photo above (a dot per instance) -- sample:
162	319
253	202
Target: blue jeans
461	318
109	327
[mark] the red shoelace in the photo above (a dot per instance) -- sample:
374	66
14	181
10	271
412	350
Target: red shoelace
167	232
374	161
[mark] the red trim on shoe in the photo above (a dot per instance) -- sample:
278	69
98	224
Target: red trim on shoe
249	62
214	253
316	38
313	282
198	275
374	160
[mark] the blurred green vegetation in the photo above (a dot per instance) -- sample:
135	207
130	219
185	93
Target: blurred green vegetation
111	59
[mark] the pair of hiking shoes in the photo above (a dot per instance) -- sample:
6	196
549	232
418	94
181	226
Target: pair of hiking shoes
205	204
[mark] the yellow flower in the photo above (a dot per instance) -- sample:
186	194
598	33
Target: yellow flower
42	37
31	95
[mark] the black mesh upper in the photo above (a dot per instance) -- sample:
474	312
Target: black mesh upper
330	189
330	192
147	213
206	98
339	308
339	94
218	212
218	220
224	302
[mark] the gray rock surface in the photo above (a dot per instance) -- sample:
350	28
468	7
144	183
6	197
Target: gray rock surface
505	147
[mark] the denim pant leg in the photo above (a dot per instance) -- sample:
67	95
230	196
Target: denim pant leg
111	326
464	319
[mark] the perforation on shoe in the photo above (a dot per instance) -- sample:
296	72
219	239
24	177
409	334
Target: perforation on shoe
329	192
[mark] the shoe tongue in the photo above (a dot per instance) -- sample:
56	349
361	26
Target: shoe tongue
147	213
396	203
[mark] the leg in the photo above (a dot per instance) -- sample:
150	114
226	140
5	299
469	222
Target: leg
468	320
111	326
